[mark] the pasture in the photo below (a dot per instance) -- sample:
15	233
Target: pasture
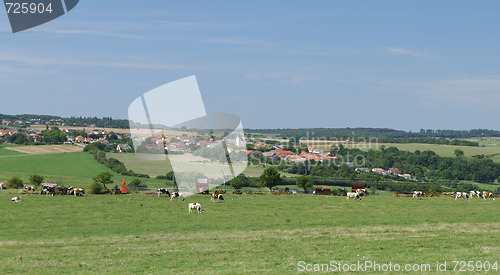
69	169
140	233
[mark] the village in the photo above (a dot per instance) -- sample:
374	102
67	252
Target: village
256	149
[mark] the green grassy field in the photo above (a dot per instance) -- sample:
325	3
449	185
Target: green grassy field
139	233
161	166
69	169
5	152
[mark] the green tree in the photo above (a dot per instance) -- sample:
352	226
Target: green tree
305	182
236	183
270	177
36	180
458	152
103	179
15	183
170	175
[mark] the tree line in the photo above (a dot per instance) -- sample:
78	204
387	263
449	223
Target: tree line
356	133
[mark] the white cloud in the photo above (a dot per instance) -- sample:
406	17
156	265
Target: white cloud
403	51
35	60
240	41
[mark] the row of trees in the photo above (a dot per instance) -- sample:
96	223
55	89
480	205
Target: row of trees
96	149
17	182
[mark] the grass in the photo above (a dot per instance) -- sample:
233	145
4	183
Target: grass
161	166
139	233
153	168
6	152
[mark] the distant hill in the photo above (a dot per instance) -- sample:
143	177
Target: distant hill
328	133
354	133
28	119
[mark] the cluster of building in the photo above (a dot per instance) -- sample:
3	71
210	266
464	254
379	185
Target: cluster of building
389	172
176	143
33	121
292	157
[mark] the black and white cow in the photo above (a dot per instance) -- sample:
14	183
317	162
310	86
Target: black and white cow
194	206
29	189
475	194
176	195
217	197
163	191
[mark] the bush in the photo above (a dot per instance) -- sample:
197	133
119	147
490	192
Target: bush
170	175
96	188
36	180
15	183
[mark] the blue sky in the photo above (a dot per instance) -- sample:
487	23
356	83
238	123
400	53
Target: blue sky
277	64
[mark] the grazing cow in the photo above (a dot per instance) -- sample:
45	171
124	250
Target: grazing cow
162	191
194	206
217	197
418	194
29	189
361	192
79	192
475	194
48	191
176	195
488	195
462	195
67	190
353	195
2	185
16	199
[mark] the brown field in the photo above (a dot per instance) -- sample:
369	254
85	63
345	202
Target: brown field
46	149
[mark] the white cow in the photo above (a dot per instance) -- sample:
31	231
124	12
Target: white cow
176	195
16	199
475	194
353	195
488	195
418	194
462	195
194	206
2	185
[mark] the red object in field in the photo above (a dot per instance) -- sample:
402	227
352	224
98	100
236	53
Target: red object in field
124	187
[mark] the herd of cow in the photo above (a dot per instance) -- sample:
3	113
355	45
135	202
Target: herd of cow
192	206
466	196
52	189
